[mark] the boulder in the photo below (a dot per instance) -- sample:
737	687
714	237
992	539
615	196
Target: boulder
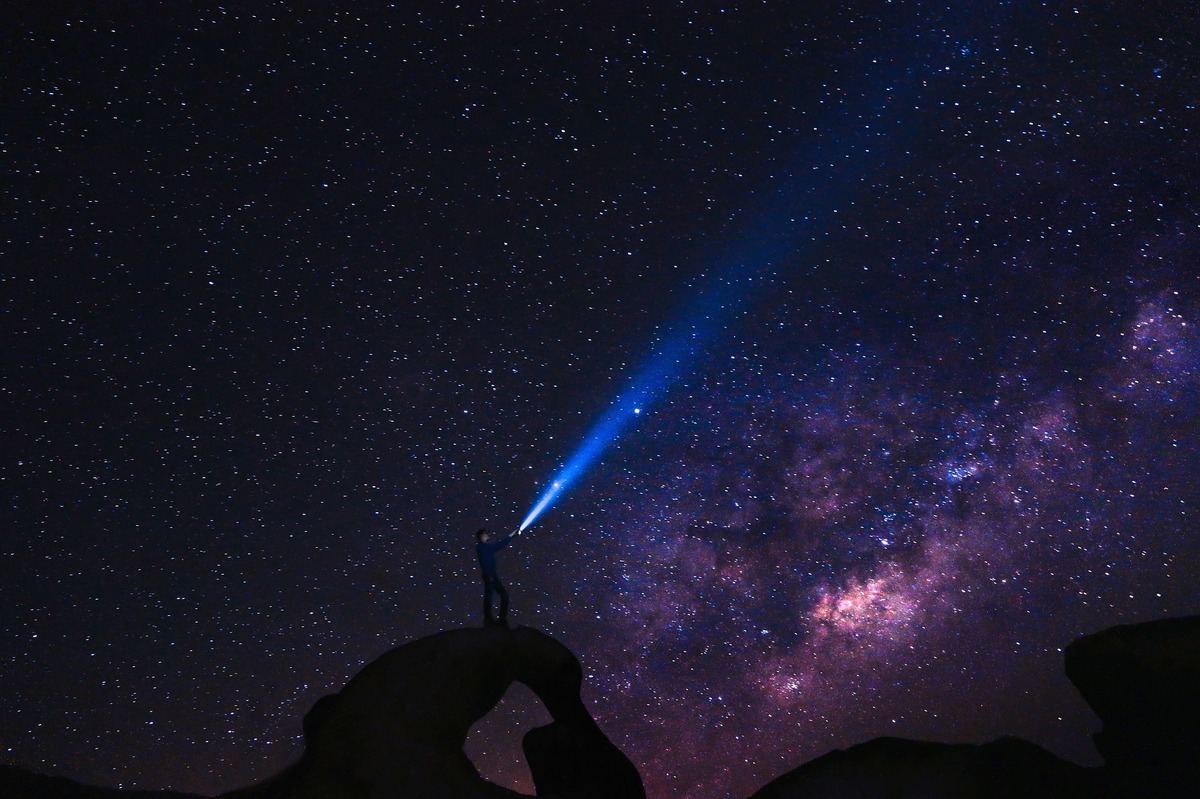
18	783
1143	681
898	768
397	729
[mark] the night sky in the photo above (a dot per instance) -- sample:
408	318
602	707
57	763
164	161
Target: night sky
294	301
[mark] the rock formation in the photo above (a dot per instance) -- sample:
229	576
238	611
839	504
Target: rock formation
398	728
1143	681
895	767
17	783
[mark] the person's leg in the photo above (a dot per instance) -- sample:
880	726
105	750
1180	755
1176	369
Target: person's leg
487	601
503	600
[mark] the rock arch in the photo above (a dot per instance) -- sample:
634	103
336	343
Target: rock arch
398	727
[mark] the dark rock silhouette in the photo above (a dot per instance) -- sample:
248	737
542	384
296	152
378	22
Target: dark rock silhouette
1143	681
397	729
17	783
887	768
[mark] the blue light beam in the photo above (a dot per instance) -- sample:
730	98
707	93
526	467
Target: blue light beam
858	142
669	361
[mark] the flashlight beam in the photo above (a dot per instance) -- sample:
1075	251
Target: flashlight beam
860	140
647	385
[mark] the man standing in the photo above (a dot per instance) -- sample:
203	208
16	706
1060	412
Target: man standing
485	549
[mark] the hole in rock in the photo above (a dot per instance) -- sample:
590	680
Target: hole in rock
494	743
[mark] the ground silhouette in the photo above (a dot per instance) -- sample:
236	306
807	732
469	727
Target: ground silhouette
1142	680
898	767
397	730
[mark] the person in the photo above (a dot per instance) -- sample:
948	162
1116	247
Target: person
485	549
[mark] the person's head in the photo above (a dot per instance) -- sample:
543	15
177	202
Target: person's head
482	534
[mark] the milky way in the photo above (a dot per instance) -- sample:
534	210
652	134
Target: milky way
832	548
295	301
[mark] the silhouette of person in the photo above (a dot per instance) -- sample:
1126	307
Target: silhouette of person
485	549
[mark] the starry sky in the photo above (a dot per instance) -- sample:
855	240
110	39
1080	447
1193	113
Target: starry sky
295	300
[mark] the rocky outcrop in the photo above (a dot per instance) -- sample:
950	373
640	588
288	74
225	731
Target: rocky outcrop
397	729
888	768
17	783
1143	681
